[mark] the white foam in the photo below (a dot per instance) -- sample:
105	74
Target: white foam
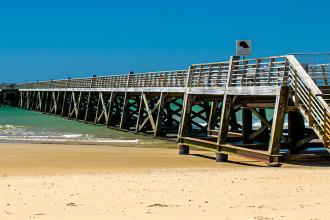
10	127
45	139
72	135
20	133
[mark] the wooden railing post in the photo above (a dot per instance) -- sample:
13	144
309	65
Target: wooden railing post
50	83
244	72
326	127
285	75
256	72
271	64
67	82
209	76
92	81
129	79
189	78
324	75
231	70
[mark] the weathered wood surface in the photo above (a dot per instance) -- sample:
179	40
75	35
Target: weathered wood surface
211	95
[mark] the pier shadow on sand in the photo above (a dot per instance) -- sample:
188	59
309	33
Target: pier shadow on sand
322	161
250	163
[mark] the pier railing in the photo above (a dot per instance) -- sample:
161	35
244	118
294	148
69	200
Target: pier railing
176	78
270	71
7	86
252	72
208	75
259	72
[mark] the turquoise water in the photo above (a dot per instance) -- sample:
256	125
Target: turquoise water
18	125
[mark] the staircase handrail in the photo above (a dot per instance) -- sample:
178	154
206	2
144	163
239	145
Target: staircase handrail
308	97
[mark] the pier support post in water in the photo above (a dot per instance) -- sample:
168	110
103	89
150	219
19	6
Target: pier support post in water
296	126
111	109
183	149
125	112
246	125
140	114
159	119
186	115
212	117
265	134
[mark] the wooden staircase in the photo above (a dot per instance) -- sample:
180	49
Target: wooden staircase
312	98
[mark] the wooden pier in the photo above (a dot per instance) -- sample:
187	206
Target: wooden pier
236	107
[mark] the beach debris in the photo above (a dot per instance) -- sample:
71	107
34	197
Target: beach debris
39	214
158	205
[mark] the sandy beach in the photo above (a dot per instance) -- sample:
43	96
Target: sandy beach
104	182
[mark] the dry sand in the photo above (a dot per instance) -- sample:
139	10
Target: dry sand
103	182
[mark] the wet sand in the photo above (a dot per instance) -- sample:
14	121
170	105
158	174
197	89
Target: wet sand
104	182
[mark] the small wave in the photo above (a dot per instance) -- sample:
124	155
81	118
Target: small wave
19	133
6	127
49	140
72	135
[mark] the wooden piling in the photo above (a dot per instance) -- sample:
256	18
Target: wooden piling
246	125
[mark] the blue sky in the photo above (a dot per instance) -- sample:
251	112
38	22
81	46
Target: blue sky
56	39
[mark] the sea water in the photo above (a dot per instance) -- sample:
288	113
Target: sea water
19	125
